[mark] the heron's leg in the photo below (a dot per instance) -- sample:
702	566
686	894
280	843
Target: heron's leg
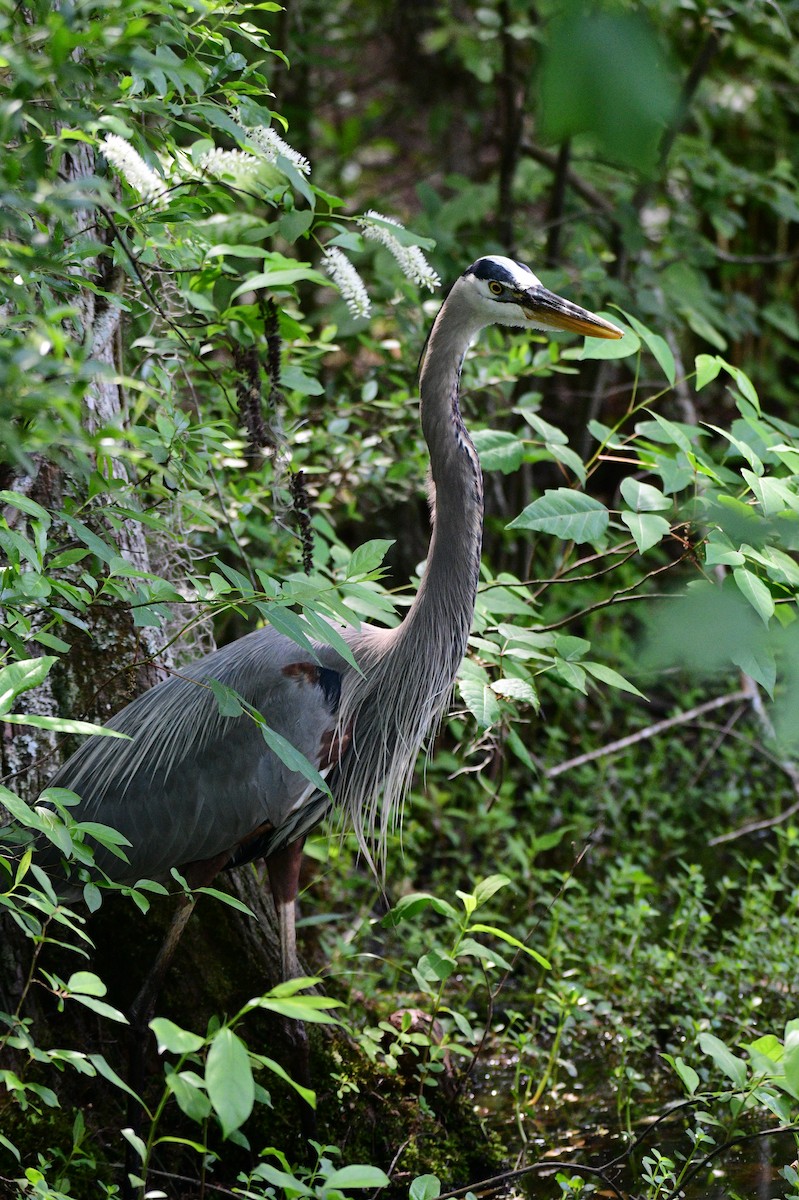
284	878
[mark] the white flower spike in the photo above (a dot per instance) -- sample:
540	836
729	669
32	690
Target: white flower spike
410	259
348	282
270	144
132	167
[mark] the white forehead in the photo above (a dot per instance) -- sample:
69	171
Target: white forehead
504	270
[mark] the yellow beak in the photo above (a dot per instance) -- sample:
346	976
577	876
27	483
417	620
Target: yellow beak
548	311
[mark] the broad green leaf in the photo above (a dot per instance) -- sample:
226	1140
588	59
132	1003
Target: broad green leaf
515	689
192	1099
550	435
673	433
311	1009
707	368
773	495
171	1037
489	887
436	966
746	452
307	1094
87	983
425	1187
100	1007
26	505
22	676
647	529
228	701
756	593
228	1079
499	450
136	1142
727	1062
468	947
368	557
687	1074
357	1175
608	348
481	701
107	1072
571	516
568	458
643	497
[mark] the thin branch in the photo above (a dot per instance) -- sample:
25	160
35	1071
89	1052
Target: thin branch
619	597
650	732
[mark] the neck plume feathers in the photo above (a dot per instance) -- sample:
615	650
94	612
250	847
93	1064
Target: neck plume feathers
409	672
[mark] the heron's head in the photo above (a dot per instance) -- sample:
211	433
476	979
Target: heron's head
500	291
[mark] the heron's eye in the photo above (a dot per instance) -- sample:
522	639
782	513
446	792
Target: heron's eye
495	288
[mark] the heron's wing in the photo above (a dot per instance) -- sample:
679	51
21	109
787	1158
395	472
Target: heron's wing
193	783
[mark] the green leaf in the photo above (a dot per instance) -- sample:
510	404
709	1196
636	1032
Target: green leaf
658	345
408	906
481	701
612	678
228	1079
425	1187
687	1074
727	1062
756	593
228	701
311	1009
107	1072
63	725
357	1175
86	982
136	1142
26	505
100	1007
22	676
647	529
571	516
368	557
281	278
707	368
436	966
191	1098
643	497
291	757
512	941
171	1037
498	450
307	1094
489	887
609	349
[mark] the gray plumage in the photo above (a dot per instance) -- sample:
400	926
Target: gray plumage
194	786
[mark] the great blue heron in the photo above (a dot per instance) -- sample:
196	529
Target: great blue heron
200	791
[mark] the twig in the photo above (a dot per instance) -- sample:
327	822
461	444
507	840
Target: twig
496	1182
650	732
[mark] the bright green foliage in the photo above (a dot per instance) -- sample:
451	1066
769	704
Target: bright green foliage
675	202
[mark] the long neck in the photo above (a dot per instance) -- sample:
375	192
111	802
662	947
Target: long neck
441	615
409	671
